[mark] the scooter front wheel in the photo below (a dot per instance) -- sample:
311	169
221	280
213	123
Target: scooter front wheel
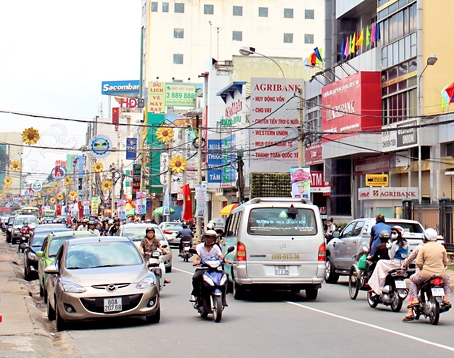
216	305
353	283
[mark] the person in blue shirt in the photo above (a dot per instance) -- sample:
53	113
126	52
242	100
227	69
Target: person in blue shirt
375	232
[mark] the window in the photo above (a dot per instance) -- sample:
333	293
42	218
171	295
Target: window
288	38
309	14
208	9
237	36
263	12
178	33
308	39
237	11
179	7
165	7
177	59
288	13
154	6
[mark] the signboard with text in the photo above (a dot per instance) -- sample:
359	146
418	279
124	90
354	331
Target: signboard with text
388	193
400	135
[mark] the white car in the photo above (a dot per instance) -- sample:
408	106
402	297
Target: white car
170	231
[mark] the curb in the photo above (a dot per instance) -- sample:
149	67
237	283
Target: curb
37	318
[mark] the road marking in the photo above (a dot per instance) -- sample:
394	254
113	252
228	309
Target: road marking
374	326
177	269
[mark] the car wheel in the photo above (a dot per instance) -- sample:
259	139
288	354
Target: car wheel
330	275
155	318
50	312
27	275
60	323
8	238
41	291
311	294
169	269
45	295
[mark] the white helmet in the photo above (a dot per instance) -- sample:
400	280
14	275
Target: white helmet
430	234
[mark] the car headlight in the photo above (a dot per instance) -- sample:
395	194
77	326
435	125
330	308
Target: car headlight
72	287
147	282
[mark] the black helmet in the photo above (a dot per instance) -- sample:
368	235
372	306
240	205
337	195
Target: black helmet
384	235
149	229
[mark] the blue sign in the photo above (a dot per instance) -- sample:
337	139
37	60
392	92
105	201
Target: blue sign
214	161
120	87
131	148
228	147
100	146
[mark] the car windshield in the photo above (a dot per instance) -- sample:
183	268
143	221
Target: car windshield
102	254
172	227
282	221
138	233
38	237
56	243
30	220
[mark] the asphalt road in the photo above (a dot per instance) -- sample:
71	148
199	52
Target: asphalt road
268	324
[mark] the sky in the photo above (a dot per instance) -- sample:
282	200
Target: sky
54	54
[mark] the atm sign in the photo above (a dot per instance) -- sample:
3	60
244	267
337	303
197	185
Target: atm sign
377	179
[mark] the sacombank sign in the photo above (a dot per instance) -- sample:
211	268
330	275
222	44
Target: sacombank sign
120	87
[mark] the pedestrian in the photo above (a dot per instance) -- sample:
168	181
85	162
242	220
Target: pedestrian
330	228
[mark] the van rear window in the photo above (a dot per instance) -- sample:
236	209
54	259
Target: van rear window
281	221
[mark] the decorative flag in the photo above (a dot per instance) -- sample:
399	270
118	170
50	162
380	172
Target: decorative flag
187	211
377	32
347	47
360	40
367	36
317	54
372	35
353	43
343	48
313	59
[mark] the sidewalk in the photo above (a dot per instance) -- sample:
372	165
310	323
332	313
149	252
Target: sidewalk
24	330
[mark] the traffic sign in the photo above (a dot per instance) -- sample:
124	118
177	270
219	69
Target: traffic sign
377	179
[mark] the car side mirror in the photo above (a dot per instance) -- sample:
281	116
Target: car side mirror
336	234
24	246
51	269
39	254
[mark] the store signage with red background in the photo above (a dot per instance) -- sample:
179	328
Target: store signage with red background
313	154
353	104
380	164
318	183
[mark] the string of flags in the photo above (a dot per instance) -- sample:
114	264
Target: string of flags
355	41
313	59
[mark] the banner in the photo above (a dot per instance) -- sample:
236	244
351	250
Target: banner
166	201
131	148
301	182
187	209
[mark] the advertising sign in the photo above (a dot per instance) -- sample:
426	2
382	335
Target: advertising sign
178	94
374	165
156	97
318	183
301	182
228	170
214	161
400	135
351	105
120	87
58	173
37	186
100	146
313	154
377	179
275	128
131	148
395	193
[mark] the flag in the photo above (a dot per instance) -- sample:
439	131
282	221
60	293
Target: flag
377	32
372	35
347	47
357	38
343	48
352	50
313	59
317	54
360	40
367	36
187	210
320	53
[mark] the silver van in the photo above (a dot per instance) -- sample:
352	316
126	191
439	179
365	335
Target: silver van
279	243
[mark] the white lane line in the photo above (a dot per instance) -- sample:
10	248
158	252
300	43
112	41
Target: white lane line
375	327
177	269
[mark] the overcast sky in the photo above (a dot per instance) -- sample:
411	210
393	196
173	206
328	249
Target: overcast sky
54	54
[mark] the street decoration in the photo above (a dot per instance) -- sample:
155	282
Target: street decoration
56	185
6	188
2	196
30	136
106	185
40	202
72	194
67	181
98	167
52	200
15	165
38	194
8	181
100	146
59	196
447	96
34	203
177	164
58	173
164	134
49	190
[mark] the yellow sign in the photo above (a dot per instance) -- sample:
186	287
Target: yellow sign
156	97
377	179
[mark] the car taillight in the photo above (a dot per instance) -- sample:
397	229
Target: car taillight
437	281
241	252
168	232
322	252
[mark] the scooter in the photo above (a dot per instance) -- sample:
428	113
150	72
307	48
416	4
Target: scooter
156	265
185	254
431	299
214	288
393	293
24	239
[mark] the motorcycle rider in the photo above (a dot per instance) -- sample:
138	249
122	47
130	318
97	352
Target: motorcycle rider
83	226
430	260
205	250
114	228
185	234
92	228
398	252
375	232
24	230
150	243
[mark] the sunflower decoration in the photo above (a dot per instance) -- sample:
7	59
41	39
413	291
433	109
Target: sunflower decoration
164	134
6	188
8	181
67	181
98	167
106	185
2	196
72	194
30	136
40	202
15	165
59	196
35	203
49	190
38	194
177	164
56	185
52	200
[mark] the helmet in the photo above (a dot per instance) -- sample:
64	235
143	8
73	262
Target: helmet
210	233
210	226
430	234
25	223
149	229
384	235
398	229
330	219
91	222
110	221
117	220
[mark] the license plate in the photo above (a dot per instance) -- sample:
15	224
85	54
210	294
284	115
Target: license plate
186	248
438	291
281	270
112	304
401	284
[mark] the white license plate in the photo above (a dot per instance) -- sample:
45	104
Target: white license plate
438	291
112	304
186	248
282	270
401	284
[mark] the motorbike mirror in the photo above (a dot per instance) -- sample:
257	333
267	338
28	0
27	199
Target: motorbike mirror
164	246
39	254
230	249
24	246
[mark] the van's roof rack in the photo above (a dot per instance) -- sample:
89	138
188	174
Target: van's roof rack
281	199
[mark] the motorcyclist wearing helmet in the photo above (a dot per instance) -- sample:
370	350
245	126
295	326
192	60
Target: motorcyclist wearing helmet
431	259
24	230
375	232
149	244
92	228
185	234
83	226
115	227
398	252
381	251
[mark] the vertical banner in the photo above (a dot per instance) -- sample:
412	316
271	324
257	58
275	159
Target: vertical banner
121	209
201	197
141	203
301	182
136	172
166	201
115	115
94	205
131	148
187	210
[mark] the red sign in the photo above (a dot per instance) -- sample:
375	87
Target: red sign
352	105
313	154
380	164
115	115
318	181
126	102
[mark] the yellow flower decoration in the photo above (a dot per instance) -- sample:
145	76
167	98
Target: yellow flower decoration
164	134
98	167
30	136
15	165
40	202
8	181
2	196
34	203
67	181
49	190
38	194
106	185
6	188
56	185
52	200
72	194
177	164
59	196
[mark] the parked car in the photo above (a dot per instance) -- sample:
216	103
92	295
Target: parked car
340	250
35	244
46	255
49	227
170	230
4	222
136	232
9	228
18	223
102	277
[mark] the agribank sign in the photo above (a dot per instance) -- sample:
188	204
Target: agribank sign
120	87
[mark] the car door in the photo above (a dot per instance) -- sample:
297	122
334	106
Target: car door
354	242
52	279
340	248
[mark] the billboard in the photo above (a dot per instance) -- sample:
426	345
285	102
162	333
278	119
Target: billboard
120	87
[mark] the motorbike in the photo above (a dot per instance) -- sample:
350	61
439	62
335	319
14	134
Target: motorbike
185	254
24	239
214	286
430	298
156	265
394	291
359	273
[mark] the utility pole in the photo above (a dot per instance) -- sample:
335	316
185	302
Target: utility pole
300	127
199	173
